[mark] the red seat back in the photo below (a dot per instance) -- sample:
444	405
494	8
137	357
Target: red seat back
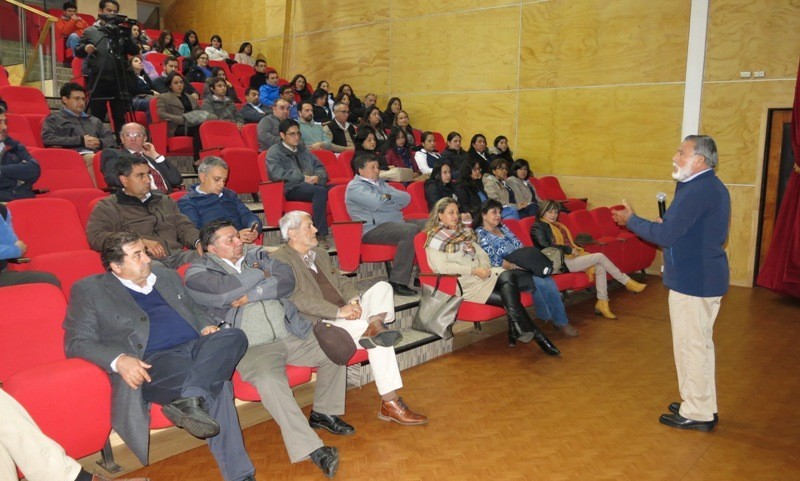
157	59
337	205
24	100
80	198
224	66
418	205
263	172
242	72
243	173
62	169
19	129
552	187
346	161
585	224
48	225
441	144
525	225
220	134
604	221
250	136
68	267
332	165
30	321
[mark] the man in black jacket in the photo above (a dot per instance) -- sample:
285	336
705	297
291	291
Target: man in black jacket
163	175
171	65
18	170
105	46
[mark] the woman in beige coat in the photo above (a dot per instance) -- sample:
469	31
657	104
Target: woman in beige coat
452	248
171	106
496	187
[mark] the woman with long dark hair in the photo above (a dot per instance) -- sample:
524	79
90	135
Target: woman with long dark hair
372	118
166	44
453	248
501	150
426	157
453	153
189	45
140	86
299	85
398	154
394	106
173	104
469	188
439	185
245	55
477	151
401	121
215	50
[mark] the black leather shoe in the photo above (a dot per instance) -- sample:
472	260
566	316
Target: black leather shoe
190	414
327	460
677	421
544	343
333	424
402	290
676	408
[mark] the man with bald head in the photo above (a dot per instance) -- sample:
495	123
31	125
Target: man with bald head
164	176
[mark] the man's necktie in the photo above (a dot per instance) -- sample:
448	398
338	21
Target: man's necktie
158	179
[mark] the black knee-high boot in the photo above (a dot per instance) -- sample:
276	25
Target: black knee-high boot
520	326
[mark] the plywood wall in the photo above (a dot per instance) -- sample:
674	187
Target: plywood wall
588	90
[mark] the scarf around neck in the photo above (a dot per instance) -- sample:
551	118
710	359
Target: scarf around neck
452	240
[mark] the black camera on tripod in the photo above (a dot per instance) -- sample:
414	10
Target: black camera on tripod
116	25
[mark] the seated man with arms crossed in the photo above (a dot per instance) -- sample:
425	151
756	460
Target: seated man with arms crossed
321	293
245	288
138	323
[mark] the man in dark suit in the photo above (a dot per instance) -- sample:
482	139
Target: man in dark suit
321	293
140	325
164	176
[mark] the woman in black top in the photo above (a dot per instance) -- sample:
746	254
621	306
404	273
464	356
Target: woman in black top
299	84
453	153
392	108
469	188
501	150
439	185
365	143
166	44
372	118
140	86
478	152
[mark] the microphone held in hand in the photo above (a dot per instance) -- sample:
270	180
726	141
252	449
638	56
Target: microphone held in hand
662	203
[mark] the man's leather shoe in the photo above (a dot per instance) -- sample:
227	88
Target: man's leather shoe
333	424
190	414
402	290
398	412
327	460
677	421
676	408
377	334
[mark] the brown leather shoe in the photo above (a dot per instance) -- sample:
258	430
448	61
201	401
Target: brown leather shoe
377	334
398	412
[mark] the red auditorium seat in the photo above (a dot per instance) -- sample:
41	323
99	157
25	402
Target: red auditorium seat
77	74
25	101
4	77
247	392
20	129
418	208
337	175
639	254
69	267
34	370
242	73
48	225
549	188
61	169
157	59
350	249
243	170
271	192
250	136
216	135
611	247
80	198
346	161
565	281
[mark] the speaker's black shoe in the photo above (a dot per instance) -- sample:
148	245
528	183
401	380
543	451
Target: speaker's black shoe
677	421
676	409
334	424
327	460
190	414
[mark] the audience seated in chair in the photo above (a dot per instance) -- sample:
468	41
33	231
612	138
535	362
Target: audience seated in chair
304	176
164	176
246	289
269	126
339	131
398	154
11	247
452	248
268	92
190	45
72	128
152	215
253	110
215	50
18	169
286	92
322	294
260	77
160	83
210	200
299	85
496	188
426	157
230	91
165	43
171	106
70	26
477	151
313	135
245	54
379	206
138	323
439	184
200	71
219	104
500	150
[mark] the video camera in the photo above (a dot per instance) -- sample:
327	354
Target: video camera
116	23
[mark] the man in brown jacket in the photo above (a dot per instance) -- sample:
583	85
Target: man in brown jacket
155	217
321	293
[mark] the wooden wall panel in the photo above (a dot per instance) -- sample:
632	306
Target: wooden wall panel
623	132
330	14
451	52
750	36
420	8
362	64
733	113
465	113
586	42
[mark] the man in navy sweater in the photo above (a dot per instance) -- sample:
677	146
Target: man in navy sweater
692	233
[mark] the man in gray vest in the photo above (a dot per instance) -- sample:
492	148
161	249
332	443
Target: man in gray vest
244	288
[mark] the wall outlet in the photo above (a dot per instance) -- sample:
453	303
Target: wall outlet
759	74
744	74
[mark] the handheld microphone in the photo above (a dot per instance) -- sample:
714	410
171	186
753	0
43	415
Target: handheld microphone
662	203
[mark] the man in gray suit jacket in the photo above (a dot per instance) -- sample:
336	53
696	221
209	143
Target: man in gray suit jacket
157	345
244	287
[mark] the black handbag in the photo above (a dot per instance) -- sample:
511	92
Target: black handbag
532	260
437	311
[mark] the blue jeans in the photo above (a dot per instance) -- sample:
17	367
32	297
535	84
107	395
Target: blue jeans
547	300
72	42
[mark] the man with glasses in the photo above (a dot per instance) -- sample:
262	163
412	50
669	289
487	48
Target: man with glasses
339	131
72	128
164	176
106	63
303	174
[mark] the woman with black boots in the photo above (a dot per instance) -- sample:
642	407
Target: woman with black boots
452	248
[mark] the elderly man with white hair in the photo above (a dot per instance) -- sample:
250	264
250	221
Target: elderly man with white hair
321	293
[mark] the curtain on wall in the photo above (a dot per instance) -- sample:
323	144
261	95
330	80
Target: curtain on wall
781	269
